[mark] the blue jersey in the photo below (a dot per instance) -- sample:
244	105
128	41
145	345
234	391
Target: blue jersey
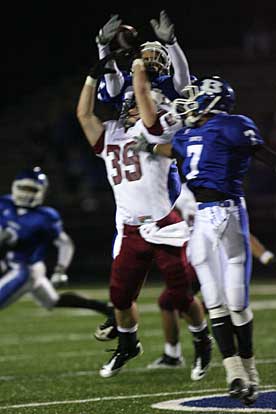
36	229
164	83
217	154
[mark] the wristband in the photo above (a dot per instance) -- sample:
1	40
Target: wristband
151	148
171	42
90	81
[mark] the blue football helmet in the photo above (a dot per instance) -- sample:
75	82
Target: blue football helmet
29	187
206	95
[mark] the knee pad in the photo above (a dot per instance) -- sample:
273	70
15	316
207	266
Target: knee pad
219	312
240	318
199	255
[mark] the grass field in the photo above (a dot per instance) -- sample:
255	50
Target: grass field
49	360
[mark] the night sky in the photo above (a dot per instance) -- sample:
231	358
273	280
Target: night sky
44	40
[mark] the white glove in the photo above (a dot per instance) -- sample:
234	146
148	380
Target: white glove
59	277
164	29
108	31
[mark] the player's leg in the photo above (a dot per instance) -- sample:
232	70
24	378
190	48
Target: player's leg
128	273
172	263
205	253
172	354
237	281
48	297
13	284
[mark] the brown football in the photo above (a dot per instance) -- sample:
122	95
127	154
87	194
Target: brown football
126	37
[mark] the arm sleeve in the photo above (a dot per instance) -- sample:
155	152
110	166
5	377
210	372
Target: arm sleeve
181	76
66	248
114	81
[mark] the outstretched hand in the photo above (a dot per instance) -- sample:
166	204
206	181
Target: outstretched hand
164	28
109	30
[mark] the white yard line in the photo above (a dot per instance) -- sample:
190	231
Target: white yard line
120	397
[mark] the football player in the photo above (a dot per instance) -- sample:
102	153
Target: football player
151	229
160	59
216	148
27	230
159	56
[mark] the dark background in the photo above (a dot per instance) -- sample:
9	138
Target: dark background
46	50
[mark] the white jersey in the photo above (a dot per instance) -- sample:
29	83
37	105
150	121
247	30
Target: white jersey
139	181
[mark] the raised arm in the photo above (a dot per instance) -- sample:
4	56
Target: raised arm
92	126
114	81
164	30
142	90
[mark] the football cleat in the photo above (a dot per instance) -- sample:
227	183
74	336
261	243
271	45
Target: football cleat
107	330
166	361
203	352
253	392
238	389
251	396
119	359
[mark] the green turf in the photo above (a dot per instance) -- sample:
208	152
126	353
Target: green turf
52	357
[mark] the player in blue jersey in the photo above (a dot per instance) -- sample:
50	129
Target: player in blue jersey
215	148
27	230
160	57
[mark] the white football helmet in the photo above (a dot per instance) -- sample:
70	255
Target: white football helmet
156	57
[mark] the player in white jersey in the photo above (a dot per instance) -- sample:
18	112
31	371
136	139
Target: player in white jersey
152	230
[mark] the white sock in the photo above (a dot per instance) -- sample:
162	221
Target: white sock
128	330
199	328
173	351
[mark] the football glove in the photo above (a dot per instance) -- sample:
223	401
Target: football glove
108	31
164	29
99	69
59	277
141	144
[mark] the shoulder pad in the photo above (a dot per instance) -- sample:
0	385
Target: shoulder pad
6	200
50	212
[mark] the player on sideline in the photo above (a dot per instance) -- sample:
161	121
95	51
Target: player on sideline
27	230
216	149
139	202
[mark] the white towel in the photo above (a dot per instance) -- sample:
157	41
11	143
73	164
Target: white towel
173	235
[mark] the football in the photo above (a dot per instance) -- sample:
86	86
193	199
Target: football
126	37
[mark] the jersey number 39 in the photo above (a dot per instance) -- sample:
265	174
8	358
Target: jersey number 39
124	163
